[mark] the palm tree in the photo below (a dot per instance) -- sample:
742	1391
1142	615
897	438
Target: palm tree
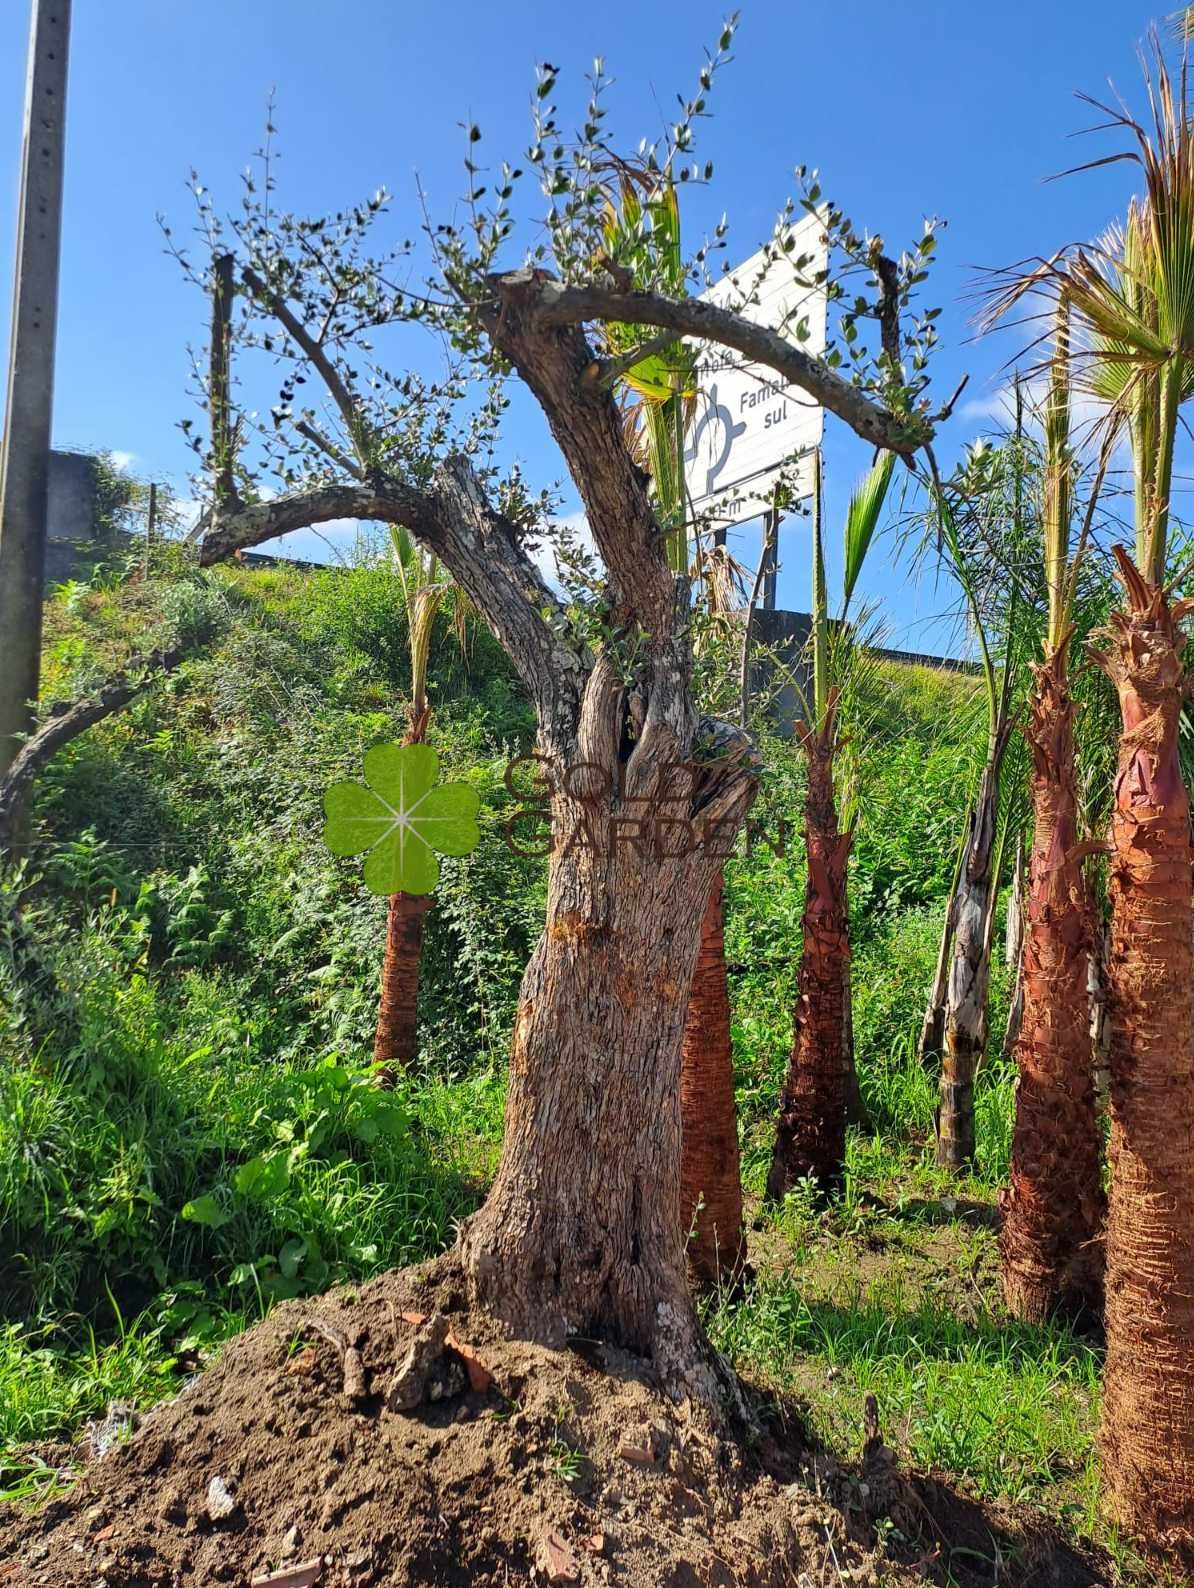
1053	1207
1133	302
978	523
810	1137
424	584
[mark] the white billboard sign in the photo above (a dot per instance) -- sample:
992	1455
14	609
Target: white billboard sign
748	421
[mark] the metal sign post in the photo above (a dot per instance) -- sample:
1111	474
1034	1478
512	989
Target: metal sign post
770	555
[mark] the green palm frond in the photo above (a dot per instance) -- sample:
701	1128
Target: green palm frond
642	234
862	519
1132	297
1057	506
425	583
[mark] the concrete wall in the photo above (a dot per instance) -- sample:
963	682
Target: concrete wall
71	516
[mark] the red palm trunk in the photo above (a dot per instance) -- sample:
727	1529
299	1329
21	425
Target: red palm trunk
396	1040
396	1043
710	1174
810	1138
1053	1207
1147	1434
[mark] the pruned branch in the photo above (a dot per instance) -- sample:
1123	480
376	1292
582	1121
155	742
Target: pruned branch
560	305
219	388
67	722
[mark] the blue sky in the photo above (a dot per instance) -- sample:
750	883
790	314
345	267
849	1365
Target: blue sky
933	107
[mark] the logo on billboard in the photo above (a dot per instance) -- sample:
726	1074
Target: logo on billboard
722	431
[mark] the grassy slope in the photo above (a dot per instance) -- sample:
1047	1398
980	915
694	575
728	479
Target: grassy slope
187	1135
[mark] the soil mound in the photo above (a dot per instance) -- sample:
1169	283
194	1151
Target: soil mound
386	1435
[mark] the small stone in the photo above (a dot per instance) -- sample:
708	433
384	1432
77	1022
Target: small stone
291	1539
303	1575
221	1502
427	1372
556	1560
639	1449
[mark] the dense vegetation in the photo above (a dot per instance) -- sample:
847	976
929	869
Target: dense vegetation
184	1130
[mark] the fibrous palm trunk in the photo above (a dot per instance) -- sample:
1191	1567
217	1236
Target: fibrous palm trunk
810	1137
1147	1434
396	1042
396	1036
964	1027
1053	1207
710	1173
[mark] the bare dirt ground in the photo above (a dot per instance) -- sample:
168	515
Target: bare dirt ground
385	1435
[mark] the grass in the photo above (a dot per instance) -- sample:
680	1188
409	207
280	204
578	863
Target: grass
908	1310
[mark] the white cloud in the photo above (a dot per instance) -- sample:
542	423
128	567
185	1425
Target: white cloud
123	461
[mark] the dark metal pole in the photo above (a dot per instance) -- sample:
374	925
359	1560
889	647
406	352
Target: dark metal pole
770	556
151	523
24	466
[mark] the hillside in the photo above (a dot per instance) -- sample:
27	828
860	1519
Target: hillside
185	1137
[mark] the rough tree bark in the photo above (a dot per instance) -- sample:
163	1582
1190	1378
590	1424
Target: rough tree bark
810	1137
964	1027
1053	1207
1147	1434
710	1169
1100	1024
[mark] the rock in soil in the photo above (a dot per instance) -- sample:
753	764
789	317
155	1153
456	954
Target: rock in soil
365	1497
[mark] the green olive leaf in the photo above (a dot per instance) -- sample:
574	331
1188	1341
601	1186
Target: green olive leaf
401	819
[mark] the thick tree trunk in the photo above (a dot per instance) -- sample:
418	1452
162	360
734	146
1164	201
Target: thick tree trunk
396	1042
710	1172
1053	1207
582	1231
964	1027
810	1137
1147	1435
